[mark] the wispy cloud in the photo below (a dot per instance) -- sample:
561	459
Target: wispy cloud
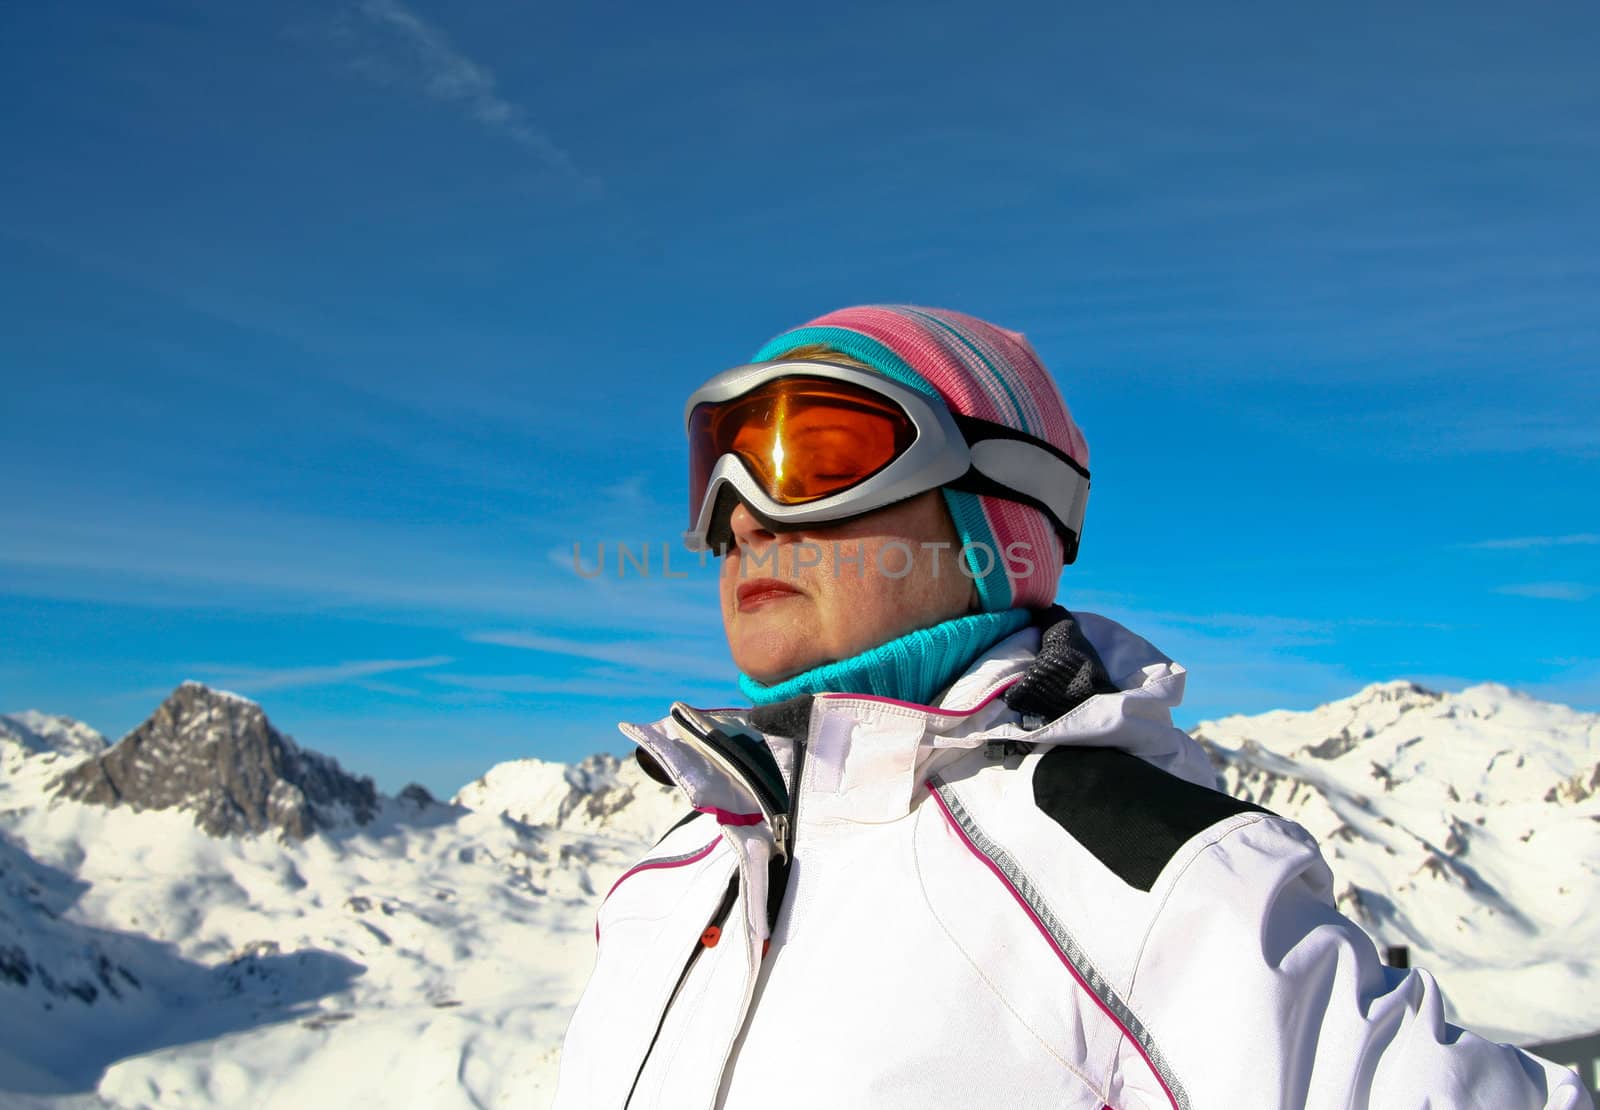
1254	662
1571	661
690	658
393	689
1577	684
1550	591
423	56
1523	543
71	543
596	684
1470	432
1278	631
253	680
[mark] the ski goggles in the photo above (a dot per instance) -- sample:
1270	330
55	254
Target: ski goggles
805	443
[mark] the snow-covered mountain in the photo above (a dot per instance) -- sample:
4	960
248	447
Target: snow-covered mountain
188	930
1464	826
602	794
215	755
34	733
179	928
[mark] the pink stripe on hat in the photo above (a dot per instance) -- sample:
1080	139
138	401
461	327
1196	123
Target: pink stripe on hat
983	371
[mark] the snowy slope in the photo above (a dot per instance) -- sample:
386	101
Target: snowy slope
32	733
1465	826
602	794
430	957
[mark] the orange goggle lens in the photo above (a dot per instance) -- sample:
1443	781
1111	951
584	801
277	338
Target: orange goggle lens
802	438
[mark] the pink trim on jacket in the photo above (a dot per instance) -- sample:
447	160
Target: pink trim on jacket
726	817
651	865
1044	932
969	711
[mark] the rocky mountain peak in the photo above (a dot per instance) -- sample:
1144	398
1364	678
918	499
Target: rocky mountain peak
1395	692
216	755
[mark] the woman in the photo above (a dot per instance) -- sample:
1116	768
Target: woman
957	854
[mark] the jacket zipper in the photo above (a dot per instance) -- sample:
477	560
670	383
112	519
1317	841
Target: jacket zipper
705	940
780	813
726	754
777	888
778	875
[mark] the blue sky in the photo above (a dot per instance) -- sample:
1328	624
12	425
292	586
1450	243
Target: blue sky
326	331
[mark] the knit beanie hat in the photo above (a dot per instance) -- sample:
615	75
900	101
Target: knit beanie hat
979	370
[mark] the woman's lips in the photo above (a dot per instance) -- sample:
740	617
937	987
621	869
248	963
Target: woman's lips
760	591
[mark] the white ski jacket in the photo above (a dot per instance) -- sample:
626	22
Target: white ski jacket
958	906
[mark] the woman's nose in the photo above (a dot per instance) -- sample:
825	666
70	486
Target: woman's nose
745	527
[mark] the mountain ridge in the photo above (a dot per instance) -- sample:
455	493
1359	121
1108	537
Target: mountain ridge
447	942
1463	825
39	733
215	754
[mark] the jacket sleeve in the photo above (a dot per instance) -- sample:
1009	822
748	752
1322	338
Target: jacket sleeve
1261	994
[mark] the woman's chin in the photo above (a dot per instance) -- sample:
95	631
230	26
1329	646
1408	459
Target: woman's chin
773	658
772	675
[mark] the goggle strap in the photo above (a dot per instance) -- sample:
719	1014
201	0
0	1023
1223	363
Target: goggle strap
974	428
1005	475
975	482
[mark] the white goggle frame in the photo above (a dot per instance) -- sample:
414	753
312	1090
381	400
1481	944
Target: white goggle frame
974	455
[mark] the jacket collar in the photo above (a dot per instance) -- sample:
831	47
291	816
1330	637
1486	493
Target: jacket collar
866	757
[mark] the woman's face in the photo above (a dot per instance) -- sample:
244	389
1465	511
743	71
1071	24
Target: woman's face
794	600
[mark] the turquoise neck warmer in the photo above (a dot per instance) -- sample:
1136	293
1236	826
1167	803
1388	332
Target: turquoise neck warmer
913	668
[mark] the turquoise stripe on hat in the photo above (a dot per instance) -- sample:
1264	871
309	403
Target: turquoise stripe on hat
1016	405
863	347
972	525
966	511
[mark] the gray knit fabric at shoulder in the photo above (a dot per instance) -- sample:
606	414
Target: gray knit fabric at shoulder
1066	673
789	718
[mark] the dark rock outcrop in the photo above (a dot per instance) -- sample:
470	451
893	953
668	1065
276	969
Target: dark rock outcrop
1334	746
417	795
1576	788
217	756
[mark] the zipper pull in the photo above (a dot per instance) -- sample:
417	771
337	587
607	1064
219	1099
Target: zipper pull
780	834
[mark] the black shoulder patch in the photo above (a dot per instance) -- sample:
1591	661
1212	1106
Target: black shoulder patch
1130	814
